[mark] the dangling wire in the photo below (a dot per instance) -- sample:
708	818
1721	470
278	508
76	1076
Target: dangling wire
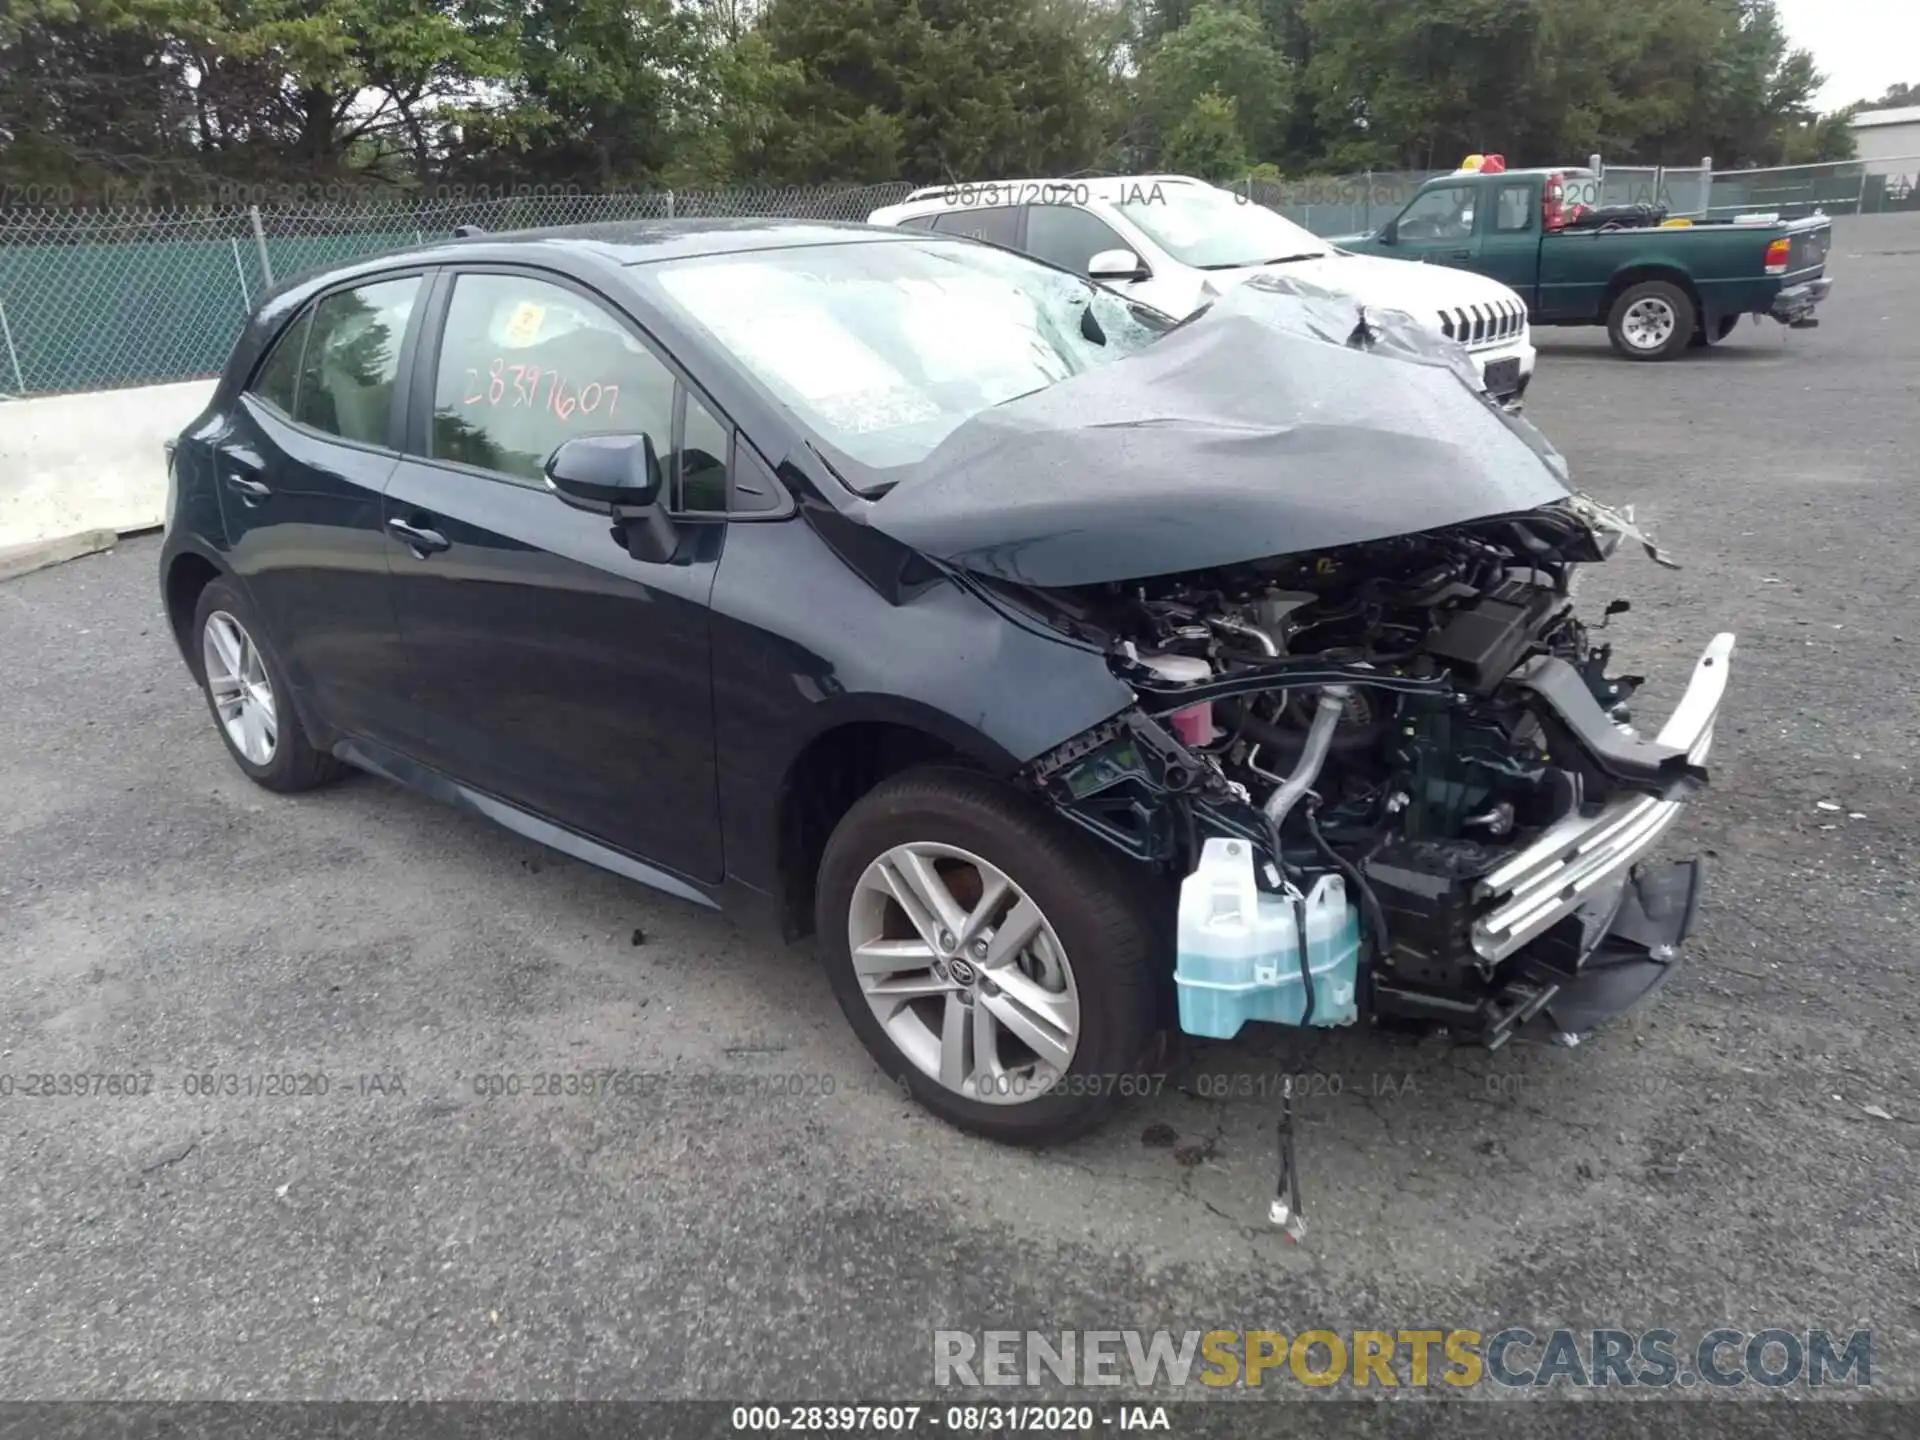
1285	1211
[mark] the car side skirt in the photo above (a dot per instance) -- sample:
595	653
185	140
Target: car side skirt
391	765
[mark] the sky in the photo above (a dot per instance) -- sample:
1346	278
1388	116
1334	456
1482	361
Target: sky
1862	46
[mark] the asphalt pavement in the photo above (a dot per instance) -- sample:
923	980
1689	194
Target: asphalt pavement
331	1175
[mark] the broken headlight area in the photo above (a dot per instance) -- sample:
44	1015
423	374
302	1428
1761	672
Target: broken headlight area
1398	780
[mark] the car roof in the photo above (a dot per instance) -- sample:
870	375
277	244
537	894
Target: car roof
640	242
1065	189
617	242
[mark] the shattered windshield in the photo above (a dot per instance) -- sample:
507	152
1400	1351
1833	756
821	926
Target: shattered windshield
883	349
1212	229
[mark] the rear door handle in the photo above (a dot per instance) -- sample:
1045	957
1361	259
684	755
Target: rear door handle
417	538
1459	255
249	489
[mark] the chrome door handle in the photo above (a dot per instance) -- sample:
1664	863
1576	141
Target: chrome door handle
417	538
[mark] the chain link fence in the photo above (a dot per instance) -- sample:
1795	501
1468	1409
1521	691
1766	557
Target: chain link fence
1340	204
98	299
1851	187
91	299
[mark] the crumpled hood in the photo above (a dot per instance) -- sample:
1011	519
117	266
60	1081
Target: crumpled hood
1274	423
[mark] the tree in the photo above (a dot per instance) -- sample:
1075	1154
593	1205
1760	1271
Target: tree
1821	140
1423	84
934	89
302	87
1897	97
601	93
1221	54
848	64
93	106
1207	142
165	99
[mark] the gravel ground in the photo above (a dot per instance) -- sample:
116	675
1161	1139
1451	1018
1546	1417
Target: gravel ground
1723	1158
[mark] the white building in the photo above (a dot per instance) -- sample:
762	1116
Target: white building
1888	141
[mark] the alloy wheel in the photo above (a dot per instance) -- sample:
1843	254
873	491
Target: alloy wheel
964	972
242	695
1648	323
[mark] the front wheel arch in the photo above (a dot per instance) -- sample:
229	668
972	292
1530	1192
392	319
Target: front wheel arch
825	780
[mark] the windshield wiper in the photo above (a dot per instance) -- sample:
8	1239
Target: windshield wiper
1277	260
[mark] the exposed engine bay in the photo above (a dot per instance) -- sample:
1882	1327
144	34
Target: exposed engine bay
1427	718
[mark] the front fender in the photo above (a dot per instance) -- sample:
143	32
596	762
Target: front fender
803	645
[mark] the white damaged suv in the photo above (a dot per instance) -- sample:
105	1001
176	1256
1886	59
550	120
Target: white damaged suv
1177	243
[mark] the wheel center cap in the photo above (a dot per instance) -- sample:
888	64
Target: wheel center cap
962	972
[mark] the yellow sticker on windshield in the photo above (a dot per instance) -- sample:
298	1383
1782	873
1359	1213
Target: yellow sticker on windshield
523	327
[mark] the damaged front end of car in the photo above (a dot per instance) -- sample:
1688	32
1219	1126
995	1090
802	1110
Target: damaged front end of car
1395	775
1427	720
1338	580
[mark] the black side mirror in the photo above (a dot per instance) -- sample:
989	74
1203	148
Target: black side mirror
618	476
606	473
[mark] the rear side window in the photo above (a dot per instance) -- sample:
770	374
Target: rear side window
996	224
918	222
525	365
1064	236
353	358
1513	209
277	381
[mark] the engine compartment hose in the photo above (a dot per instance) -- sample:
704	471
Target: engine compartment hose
1326	719
1280	741
1369	902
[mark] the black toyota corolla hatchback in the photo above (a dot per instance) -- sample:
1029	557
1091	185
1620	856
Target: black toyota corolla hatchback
923	596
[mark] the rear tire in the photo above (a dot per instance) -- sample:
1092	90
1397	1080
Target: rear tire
1653	320
247	692
1064	956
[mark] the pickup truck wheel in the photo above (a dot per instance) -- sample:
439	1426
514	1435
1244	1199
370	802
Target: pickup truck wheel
994	961
1653	320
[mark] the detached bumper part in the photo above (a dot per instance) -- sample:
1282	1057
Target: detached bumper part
1640	951
1795	305
1575	862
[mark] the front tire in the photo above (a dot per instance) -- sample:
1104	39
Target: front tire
248	694
1654	320
996	963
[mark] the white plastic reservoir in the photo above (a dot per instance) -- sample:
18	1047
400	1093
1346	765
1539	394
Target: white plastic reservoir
1239	948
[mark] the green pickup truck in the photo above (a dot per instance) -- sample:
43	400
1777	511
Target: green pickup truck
1659	288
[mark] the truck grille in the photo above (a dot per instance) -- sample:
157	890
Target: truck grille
1480	326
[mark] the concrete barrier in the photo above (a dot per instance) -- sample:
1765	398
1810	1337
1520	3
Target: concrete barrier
74	463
